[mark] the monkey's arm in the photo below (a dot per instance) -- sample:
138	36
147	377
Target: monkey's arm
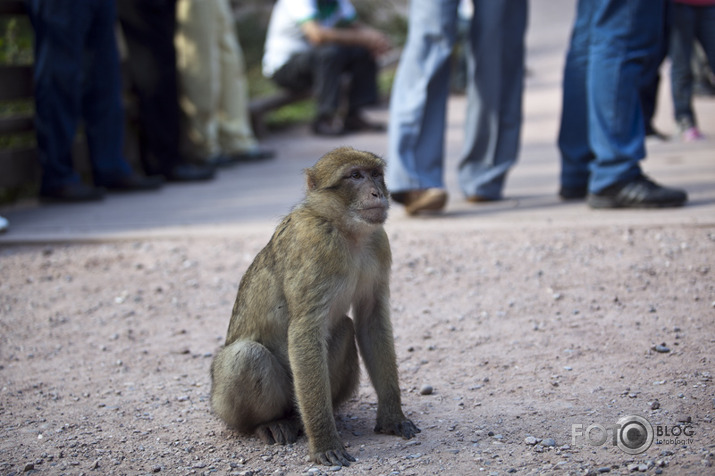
307	349
376	344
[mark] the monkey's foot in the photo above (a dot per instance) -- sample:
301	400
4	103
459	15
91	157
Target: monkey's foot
404	428
284	431
334	457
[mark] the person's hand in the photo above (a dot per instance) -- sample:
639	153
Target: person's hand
377	42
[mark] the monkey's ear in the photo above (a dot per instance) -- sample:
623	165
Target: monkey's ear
311	179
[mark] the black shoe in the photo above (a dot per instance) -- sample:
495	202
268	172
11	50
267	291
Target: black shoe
357	123
328	127
73	193
190	173
573	193
638	193
135	183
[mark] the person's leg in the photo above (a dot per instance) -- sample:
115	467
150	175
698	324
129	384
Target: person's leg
329	62
363	83
235	131
573	132
624	37
705	33
149	32
102	102
682	36
419	98
199	68
494	92
60	26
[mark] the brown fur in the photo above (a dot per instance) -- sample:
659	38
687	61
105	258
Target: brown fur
290	356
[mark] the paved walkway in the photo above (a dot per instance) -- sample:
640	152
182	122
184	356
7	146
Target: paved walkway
257	195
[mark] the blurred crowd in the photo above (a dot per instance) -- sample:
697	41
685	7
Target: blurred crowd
186	69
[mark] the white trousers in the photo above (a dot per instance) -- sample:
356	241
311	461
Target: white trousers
212	77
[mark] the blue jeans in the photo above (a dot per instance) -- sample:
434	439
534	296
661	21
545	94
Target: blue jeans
602	127
77	77
494	96
688	24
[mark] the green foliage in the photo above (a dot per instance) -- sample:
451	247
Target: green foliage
15	40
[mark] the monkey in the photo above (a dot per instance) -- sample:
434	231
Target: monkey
290	356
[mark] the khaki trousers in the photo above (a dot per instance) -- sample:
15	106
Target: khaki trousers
212	76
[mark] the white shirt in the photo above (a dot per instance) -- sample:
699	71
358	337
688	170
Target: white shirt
285	37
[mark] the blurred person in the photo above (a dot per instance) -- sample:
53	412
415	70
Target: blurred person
77	78
310	44
213	85
149	28
602	132
691	20
494	85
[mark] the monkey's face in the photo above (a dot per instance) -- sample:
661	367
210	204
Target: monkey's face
369	202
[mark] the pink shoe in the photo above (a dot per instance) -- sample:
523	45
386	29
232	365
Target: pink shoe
692	134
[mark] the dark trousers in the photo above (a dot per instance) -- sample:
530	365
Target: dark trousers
321	69
148	27
689	24
77	78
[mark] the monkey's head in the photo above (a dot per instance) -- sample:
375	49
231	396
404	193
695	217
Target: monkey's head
349	184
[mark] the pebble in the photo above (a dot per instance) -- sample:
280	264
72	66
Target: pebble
661	348
604	469
530	440
335	468
426	390
655	405
548	442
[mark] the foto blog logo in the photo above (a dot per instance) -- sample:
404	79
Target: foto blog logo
632	434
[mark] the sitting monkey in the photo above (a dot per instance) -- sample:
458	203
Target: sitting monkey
290	356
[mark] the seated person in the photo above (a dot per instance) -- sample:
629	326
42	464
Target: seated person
310	44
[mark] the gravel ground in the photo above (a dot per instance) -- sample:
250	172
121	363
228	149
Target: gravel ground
506	339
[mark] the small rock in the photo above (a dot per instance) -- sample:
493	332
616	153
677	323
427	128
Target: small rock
28	467
633	467
661	348
642	467
530	440
335	468
548	442
604	469
426	390
156	469
655	405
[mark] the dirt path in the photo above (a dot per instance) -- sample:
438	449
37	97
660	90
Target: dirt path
523	334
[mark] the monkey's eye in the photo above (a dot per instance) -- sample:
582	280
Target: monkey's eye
376	173
355	174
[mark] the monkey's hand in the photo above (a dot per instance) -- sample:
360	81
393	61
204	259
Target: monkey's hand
400	426
332	457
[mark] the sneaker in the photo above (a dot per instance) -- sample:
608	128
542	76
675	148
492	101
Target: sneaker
423	200
692	134
638	193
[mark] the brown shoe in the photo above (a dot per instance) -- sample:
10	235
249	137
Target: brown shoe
423	200
481	199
